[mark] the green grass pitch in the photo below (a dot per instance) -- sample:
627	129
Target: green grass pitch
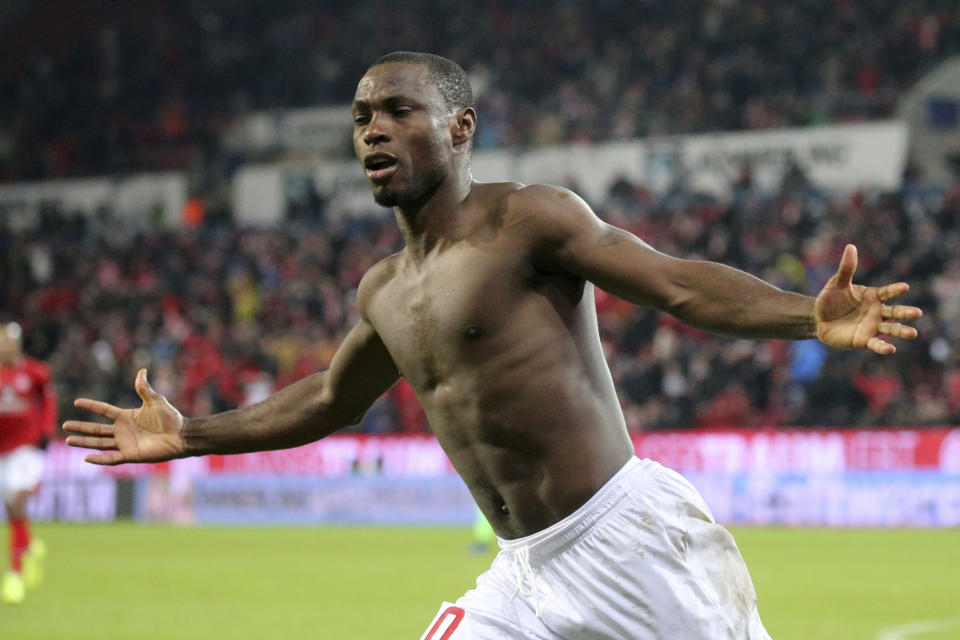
129	581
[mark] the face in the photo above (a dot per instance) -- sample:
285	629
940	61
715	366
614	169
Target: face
401	132
9	343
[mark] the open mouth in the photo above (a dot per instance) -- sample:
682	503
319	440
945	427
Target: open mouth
380	165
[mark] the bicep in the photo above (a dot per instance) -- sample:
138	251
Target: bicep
361	371
614	259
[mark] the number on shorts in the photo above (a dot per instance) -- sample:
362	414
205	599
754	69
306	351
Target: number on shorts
456	613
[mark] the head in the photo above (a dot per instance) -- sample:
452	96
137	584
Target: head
413	124
11	337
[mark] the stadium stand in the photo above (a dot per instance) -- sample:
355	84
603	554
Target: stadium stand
118	87
199	305
109	92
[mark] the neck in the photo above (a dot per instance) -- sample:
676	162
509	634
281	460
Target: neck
430	220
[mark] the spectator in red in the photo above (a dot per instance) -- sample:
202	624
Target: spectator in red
410	415
880	385
730	409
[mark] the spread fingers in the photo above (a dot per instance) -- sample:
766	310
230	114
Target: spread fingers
892	290
900	312
88	428
897	330
101	408
109	459
92	442
879	346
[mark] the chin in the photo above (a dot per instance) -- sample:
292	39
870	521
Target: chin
400	194
386	199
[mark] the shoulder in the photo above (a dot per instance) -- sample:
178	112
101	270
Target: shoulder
547	212
374	280
546	201
512	202
540	195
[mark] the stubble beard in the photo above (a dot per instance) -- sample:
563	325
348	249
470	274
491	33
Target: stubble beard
394	193
385	198
409	193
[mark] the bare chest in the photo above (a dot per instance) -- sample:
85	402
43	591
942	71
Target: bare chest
439	317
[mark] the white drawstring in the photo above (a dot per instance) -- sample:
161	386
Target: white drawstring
525	574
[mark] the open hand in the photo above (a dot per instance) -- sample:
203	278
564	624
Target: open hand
152	433
850	316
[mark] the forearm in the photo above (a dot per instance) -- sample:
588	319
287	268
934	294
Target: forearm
724	300
291	417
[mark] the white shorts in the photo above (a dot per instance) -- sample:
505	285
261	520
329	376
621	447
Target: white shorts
643	559
20	470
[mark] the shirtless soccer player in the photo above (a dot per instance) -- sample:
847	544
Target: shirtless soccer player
488	312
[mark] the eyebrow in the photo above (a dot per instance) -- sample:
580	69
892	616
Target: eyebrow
388	101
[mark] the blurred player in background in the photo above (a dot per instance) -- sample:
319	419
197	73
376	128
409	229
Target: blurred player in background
488	312
483	534
28	418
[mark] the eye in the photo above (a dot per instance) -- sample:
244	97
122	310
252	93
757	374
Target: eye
360	120
400	112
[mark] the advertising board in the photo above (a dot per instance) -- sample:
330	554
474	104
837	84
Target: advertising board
880	477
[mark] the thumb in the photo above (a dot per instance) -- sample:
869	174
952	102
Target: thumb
848	265
144	390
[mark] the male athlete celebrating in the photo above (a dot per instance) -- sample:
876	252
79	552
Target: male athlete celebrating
488	313
28	417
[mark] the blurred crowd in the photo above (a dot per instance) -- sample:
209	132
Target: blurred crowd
115	86
222	315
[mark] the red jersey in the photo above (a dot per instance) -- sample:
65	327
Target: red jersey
28	404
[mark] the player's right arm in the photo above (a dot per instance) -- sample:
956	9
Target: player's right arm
318	405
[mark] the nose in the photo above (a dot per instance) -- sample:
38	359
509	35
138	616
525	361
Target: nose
375	132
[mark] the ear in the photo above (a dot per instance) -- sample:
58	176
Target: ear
464	125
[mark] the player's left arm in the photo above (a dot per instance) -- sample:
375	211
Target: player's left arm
569	238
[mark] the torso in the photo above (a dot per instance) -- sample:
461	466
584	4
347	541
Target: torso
21	387
506	360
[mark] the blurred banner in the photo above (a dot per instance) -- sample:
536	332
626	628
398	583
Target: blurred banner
851	499
323	130
356	500
75	499
838	157
931	108
890	477
148	198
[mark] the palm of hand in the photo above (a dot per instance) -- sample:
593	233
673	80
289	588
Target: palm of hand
850	316
847	318
152	433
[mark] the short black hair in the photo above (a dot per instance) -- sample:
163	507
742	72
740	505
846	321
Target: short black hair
447	75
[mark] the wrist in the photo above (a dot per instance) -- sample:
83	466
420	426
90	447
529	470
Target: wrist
189	446
811	327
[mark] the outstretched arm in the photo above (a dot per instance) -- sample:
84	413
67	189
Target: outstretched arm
569	238
308	410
